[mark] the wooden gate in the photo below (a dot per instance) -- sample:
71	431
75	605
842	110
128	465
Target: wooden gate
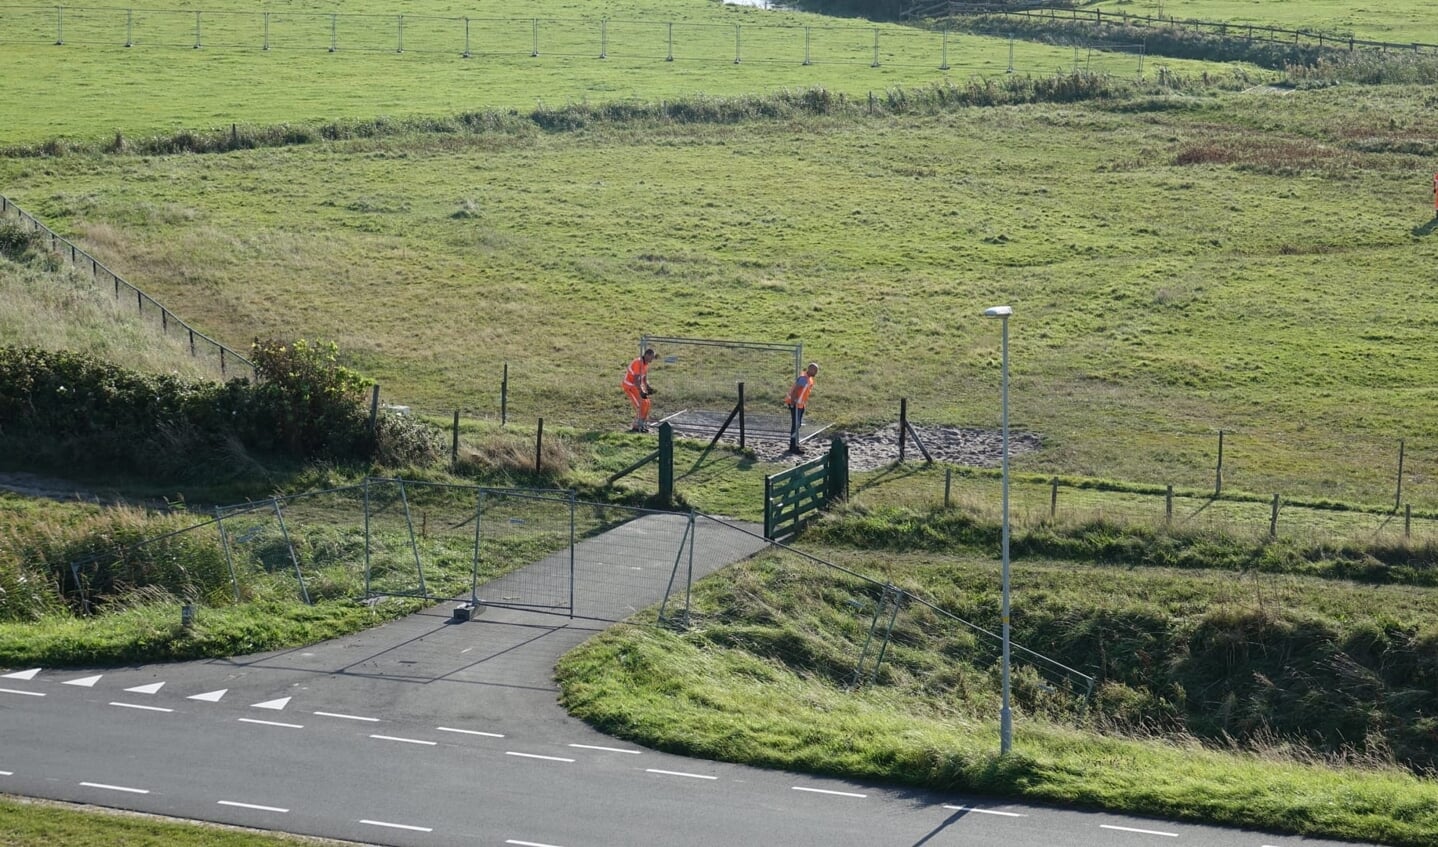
797	495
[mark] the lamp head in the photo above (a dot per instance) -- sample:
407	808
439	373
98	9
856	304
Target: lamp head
998	312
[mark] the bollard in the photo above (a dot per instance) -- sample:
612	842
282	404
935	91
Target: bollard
187	616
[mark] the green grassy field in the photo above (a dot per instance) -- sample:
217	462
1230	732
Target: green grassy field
92	86
1177	266
1405	20
1208	256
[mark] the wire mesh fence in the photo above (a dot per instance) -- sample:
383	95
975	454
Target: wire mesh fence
471	37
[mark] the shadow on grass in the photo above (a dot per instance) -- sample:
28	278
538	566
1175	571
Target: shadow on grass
893	473
1427	228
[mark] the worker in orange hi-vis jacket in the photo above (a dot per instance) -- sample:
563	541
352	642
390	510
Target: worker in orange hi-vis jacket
797	400
636	385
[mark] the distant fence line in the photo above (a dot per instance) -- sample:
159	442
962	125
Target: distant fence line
467	37
1250	32
224	359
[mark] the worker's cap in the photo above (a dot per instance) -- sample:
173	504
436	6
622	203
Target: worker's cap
814	365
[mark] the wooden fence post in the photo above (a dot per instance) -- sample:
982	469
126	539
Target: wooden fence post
741	416
1408	520
948	484
1398	498
373	399
1054	498
903	425
1273	519
1168	505
504	395
1218	480
454	443
539	447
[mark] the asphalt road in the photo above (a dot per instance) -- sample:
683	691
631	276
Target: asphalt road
430	732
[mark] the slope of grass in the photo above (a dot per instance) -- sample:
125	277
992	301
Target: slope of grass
763	676
1178	265
31	823
1401	21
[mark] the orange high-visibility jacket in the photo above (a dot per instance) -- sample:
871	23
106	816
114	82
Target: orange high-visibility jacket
637	373
799	394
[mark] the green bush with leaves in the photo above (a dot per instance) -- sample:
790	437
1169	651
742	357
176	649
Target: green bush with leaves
306	403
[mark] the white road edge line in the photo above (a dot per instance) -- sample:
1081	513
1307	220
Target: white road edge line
680	773
253	806
1139	831
469	732
138	706
398	826
527	843
985	811
827	791
115	787
606	749
347	717
271	723
26	693
405	740
537	756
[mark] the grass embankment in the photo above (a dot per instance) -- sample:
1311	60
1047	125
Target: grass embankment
1178	265
1401	21
762	674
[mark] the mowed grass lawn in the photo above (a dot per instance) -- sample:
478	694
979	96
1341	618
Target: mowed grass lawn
1252	262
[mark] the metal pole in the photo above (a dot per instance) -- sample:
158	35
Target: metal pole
736	44
1006	724
466	54
670	56
806	46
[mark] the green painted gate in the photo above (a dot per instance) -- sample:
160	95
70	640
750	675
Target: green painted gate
797	495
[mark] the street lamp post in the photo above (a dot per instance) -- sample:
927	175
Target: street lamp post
1006	719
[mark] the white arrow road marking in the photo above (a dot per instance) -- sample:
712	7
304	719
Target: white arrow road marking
273	704
85	682
209	696
147	689
253	806
985	811
398	826
25	675
1139	831
115	787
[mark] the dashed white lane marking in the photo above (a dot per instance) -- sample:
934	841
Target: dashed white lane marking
405	740
209	696
7	773
605	749
469	732
25	675
979	811
115	787
84	682
528	843
679	773
1139	831
257	808
347	717
146	689
827	791
398	826
537	756
26	693
138	706
273	723
277	705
